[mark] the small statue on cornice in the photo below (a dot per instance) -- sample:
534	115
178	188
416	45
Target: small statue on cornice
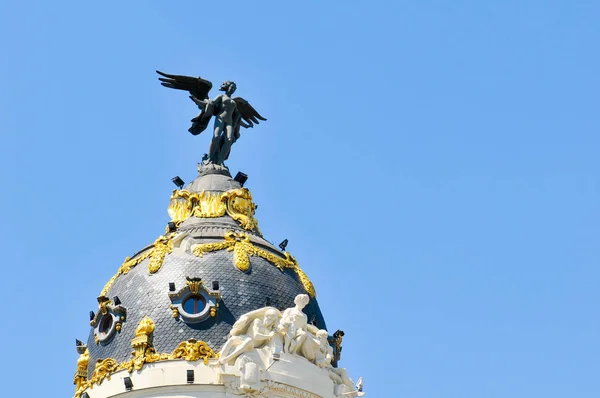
230	113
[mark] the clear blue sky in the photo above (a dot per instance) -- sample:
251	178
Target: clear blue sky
434	165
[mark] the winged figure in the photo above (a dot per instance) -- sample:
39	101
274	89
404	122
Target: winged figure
230	113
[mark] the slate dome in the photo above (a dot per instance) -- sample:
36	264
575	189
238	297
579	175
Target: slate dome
211	266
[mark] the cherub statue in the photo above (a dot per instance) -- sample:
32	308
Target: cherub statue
230	113
253	330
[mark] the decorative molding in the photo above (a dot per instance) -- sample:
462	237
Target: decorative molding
243	248
268	388
274	386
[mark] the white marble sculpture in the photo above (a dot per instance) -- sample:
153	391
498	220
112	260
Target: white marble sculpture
253	330
295	328
258	337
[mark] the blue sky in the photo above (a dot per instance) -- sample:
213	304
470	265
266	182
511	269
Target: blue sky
434	165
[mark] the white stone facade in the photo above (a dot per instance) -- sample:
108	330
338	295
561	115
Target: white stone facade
289	377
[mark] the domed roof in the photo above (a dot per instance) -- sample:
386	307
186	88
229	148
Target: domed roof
209	268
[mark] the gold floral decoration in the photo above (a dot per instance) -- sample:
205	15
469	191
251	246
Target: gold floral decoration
243	248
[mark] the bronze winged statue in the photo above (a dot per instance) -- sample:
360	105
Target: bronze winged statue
230	113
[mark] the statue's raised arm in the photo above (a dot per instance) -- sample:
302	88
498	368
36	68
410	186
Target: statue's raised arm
230	113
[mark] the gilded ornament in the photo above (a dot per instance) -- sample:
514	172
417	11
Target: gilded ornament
145	327
194	284
192	350
237	203
80	378
200	250
175	312
103	369
241	208
103	301
142	345
204	205
96	339
243	248
208	205
180	207
308	285
160	248
213	312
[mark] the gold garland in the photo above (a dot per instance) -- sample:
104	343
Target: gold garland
161	247
243	248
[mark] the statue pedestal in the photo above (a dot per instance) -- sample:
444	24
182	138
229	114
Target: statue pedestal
213	168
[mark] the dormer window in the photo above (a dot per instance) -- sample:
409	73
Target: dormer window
195	303
109	319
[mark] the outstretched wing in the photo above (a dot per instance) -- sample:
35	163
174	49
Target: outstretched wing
248	113
197	86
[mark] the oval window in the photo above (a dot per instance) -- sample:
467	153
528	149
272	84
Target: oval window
194	304
105	325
